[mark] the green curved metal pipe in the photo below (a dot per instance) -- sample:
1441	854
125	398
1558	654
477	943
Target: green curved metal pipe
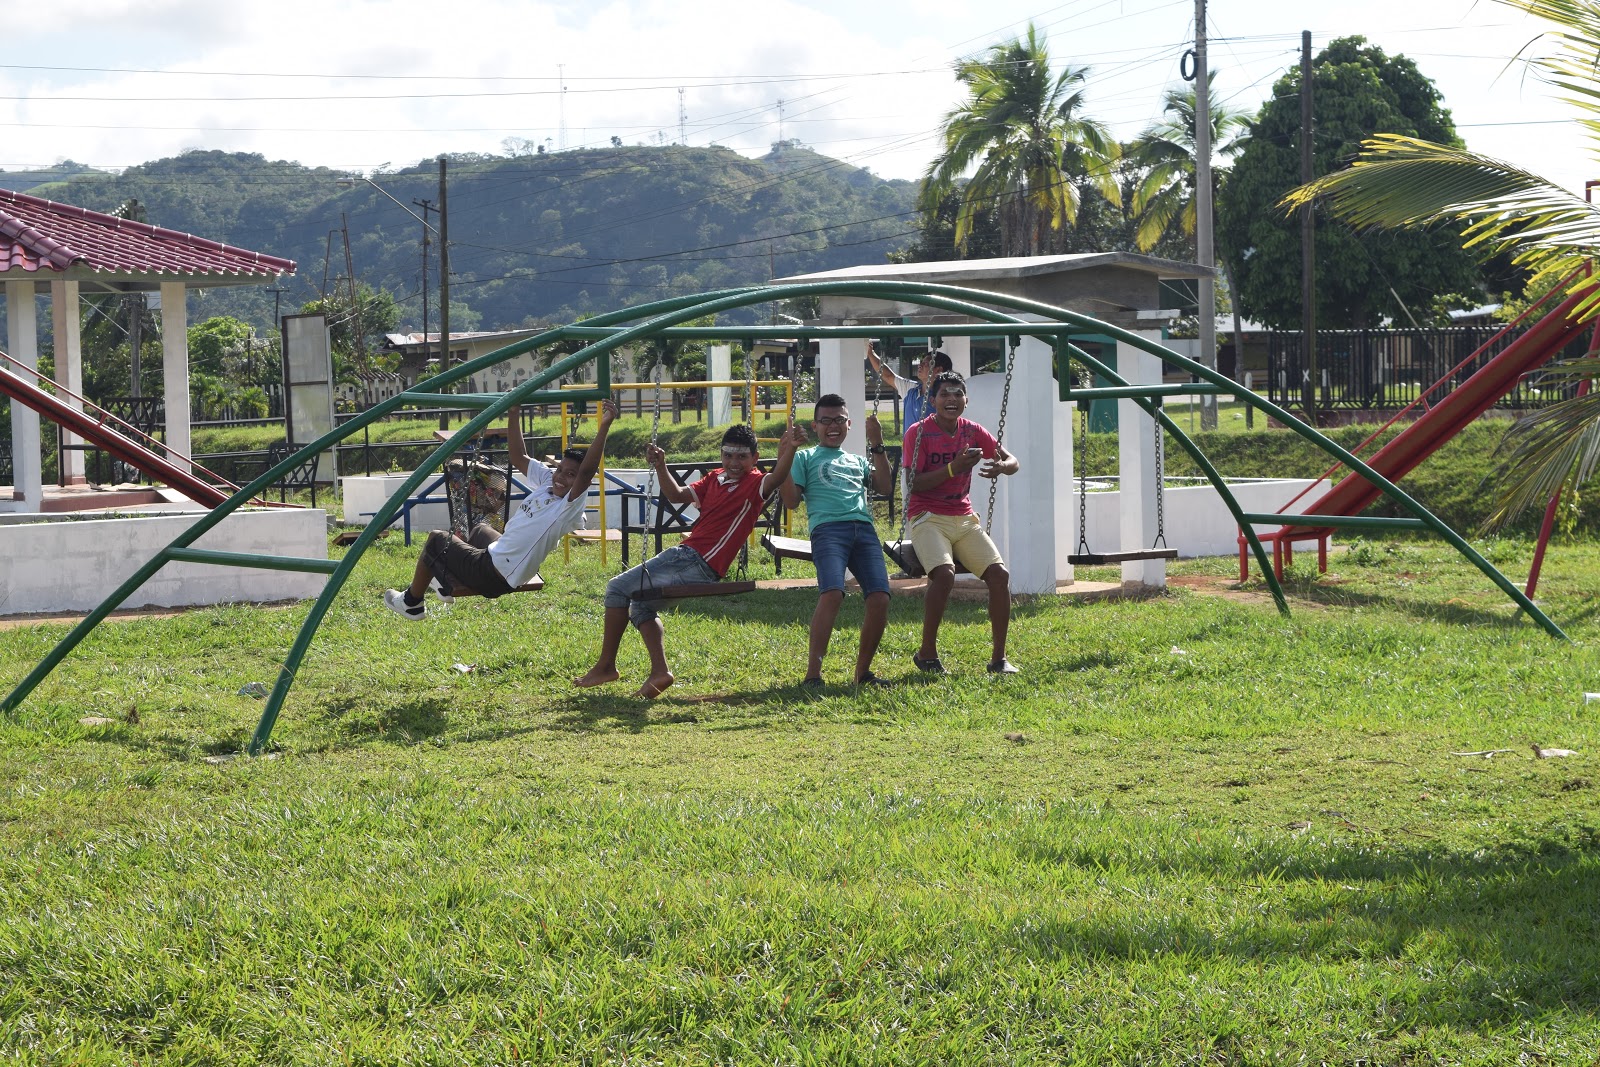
667	314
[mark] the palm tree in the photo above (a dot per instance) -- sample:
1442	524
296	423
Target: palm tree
1025	132
1165	152
1402	181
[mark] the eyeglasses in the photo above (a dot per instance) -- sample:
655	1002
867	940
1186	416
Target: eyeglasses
735	453
840	421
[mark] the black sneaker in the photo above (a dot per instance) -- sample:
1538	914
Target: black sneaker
928	666
1003	666
814	685
395	601
870	679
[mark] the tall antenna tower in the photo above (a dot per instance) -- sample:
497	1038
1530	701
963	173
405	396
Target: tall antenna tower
780	120
683	119
561	76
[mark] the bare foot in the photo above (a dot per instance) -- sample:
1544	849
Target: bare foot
596	676
655	685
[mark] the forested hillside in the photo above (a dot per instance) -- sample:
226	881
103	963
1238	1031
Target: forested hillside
533	238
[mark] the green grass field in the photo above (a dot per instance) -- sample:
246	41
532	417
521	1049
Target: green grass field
1193	832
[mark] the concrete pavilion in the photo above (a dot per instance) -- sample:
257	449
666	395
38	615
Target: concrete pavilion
63	251
1034	522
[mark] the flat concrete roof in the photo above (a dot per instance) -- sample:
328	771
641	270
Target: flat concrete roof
1006	267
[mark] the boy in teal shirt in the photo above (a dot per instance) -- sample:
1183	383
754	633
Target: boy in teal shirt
834	484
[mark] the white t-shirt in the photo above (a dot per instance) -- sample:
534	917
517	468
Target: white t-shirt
536	526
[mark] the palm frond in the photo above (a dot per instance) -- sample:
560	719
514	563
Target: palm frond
1555	446
1402	181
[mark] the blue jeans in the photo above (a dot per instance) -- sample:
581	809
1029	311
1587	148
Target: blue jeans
852	544
635	589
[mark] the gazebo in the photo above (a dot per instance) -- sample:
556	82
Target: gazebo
66	251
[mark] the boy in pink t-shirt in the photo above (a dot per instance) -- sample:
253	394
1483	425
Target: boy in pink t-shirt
943	449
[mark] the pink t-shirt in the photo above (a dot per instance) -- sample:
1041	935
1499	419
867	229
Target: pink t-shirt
952	496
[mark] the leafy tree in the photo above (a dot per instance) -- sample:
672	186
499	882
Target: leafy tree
1031	144
1402	182
1163	157
1359	91
357	329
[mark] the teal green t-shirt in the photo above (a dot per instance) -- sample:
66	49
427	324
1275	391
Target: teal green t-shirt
834	483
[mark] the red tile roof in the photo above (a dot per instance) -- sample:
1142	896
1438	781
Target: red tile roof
41	235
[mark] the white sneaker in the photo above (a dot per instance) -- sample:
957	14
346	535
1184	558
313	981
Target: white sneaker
395	600
438	591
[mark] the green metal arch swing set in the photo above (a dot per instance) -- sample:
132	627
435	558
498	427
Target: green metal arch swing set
662	319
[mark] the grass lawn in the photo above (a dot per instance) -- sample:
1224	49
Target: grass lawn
1192	831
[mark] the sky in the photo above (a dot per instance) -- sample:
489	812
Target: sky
370	85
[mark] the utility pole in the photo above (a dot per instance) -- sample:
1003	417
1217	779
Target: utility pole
444	283
427	246
355	302
277	298
1308	237
1203	212
561	77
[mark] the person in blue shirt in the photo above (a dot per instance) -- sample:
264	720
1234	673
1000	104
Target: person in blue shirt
835	484
914	392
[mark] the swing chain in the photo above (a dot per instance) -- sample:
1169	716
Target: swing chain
1081	447
1161	480
1000	428
650	491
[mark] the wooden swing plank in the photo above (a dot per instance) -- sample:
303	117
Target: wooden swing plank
533	585
697	589
787	547
1093	558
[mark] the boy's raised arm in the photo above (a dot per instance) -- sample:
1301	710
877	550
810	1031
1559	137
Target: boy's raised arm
671	488
793	437
597	448
515	446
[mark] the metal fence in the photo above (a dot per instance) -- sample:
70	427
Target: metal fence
1378	370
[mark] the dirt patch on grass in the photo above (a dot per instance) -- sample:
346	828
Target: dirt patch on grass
17	622
1216	585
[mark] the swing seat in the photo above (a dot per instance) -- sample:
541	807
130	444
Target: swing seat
533	585
698	589
904	555
1091	559
786	547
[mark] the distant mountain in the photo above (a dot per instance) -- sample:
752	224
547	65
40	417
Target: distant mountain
533	238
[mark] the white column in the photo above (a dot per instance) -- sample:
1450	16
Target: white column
841	368
1137	467
22	339
69	368
1064	422
175	366
1027	499
959	349
719	407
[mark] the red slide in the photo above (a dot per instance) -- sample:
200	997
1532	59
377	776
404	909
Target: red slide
90	429
1450	416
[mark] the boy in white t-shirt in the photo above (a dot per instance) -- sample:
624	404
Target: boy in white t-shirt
490	563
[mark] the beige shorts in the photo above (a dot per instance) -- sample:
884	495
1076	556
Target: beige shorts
940	540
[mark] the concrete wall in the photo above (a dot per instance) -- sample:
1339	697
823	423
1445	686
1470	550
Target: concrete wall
1198	523
57	564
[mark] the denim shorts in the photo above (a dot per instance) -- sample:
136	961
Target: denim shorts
635	589
852	544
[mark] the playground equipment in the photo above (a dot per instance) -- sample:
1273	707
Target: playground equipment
994	313
1353	494
116	436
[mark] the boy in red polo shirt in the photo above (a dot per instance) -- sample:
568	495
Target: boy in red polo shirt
729	499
